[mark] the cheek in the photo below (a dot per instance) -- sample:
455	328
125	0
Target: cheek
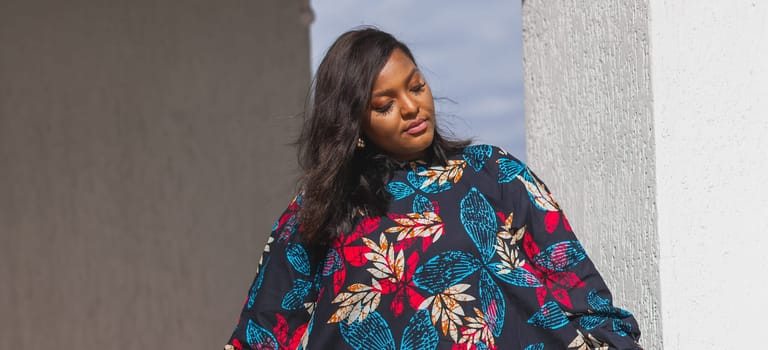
427	100
380	128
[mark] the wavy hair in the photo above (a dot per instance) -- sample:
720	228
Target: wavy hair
341	181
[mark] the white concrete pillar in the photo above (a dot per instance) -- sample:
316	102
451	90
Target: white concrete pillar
647	120
709	64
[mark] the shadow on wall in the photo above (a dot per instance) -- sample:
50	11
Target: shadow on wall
144	155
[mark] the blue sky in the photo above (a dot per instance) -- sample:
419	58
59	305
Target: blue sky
470	52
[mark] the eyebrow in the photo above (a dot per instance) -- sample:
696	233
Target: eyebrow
391	91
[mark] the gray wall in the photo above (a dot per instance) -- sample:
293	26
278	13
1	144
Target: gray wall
143	160
590	137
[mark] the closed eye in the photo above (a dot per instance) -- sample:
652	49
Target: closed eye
384	109
418	88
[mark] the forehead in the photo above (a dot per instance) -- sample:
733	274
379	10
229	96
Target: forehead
396	71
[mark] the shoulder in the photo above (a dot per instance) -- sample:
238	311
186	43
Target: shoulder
496	165
485	167
482	150
286	228
491	158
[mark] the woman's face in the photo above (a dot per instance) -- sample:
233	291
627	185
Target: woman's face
401	118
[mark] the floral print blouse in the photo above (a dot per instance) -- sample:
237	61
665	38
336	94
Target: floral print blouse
473	254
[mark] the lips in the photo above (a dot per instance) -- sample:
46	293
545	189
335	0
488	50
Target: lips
416	127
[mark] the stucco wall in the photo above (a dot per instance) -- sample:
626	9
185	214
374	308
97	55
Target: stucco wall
710	92
143	160
594	75
590	136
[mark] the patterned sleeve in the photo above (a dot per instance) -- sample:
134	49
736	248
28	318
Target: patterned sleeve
573	300
277	309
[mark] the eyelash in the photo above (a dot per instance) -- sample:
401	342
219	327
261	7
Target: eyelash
418	88
384	109
388	107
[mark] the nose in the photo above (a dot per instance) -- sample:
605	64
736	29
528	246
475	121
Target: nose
409	108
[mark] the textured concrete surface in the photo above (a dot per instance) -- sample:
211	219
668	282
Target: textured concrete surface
143	160
590	136
710	89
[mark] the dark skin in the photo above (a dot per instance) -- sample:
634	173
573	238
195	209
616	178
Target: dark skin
401	121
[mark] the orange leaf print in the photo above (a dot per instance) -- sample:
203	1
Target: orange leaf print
424	225
453	172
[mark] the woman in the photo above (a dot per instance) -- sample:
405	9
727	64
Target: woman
404	239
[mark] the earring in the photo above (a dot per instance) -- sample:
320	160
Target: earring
360	143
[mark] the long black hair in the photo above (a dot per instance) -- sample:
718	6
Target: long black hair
340	180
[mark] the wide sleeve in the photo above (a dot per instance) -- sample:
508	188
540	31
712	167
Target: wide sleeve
278	305
572	296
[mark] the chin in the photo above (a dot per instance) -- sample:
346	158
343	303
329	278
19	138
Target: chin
426	140
423	145
429	138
